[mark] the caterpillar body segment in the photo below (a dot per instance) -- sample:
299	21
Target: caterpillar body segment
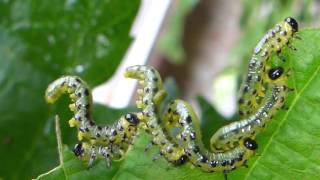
191	149
253	88
149	102
110	141
180	114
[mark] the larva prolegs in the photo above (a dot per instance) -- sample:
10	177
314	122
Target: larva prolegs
192	150
151	87
96	141
272	42
183	116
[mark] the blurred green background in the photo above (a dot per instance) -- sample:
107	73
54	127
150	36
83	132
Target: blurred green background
42	40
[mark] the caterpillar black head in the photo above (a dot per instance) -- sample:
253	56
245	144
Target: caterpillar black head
132	118
293	23
183	159
78	150
275	73
250	144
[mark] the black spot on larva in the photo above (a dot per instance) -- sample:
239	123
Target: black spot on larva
155	90
87	106
114	133
249	78
78	118
78	150
78	80
203	159
240	157
183	159
224	163
132	118
86	92
78	94
254	92
258	78
196	149
231	162
169	110
87	115
91	123
241	101
275	73
188	119
213	163
147	90
278	40
192	136
155	79
98	135
79	106
241	113
293	23
246	89
87	129
99	128
250	144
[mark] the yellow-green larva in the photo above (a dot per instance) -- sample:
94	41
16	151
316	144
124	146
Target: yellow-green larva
149	101
228	136
252	89
262	94
108	141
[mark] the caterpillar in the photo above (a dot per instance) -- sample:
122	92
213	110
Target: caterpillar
263	93
228	136
253	88
108	142
149	101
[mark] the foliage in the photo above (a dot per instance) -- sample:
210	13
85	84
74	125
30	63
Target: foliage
286	151
40	41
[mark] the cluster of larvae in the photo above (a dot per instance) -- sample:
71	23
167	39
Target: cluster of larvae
262	94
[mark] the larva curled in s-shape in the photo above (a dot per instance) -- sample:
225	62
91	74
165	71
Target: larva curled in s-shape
227	137
110	142
253	88
150	97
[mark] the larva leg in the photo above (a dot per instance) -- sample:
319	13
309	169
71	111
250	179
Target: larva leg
192	148
228	136
93	155
109	141
183	117
107	155
150	105
272	42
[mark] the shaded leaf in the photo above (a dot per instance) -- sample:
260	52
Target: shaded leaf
39	41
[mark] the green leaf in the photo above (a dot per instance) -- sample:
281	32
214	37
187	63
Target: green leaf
211	120
289	148
40	41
